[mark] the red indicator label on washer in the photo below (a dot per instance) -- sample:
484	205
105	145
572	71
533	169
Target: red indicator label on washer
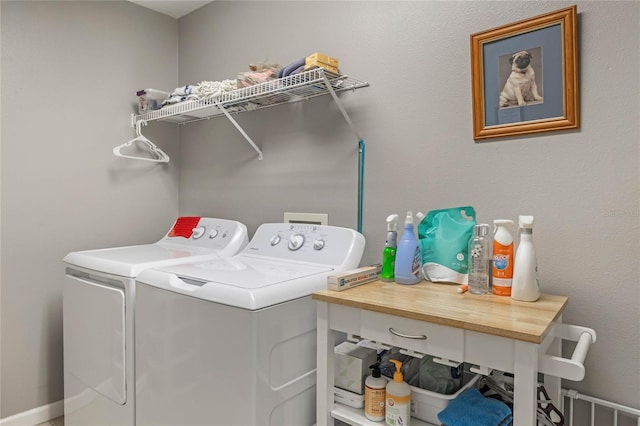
184	226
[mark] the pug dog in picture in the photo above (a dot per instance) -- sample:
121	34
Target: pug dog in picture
521	87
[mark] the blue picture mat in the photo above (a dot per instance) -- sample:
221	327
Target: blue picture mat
550	39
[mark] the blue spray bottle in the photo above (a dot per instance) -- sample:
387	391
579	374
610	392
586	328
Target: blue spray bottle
408	256
389	253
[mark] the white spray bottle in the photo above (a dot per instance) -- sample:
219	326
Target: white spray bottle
525	286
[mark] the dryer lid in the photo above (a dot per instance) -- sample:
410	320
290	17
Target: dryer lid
131	260
190	239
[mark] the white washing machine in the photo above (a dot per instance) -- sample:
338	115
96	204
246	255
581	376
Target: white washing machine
98	313
233	341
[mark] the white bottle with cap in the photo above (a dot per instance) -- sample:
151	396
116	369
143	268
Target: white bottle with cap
525	286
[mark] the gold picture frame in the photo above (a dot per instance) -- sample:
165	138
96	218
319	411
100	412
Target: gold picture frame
502	74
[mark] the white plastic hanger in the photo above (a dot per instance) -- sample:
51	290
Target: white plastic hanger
159	155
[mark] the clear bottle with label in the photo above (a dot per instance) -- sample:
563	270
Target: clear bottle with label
479	260
502	257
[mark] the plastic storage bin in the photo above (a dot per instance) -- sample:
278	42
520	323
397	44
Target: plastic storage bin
425	405
150	99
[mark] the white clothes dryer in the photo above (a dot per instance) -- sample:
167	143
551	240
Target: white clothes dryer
232	342
99	299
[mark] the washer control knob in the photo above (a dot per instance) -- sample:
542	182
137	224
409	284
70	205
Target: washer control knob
296	241
197	232
213	233
318	244
275	240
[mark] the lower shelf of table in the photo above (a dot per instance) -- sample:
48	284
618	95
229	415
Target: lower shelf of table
355	417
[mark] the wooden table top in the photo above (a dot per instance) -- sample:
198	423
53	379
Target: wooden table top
442	304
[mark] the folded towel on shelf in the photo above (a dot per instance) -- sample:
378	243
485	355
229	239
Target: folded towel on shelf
178	98
181	94
250	78
471	408
185	91
293	68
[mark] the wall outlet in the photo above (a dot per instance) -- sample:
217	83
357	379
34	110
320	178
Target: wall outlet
311	218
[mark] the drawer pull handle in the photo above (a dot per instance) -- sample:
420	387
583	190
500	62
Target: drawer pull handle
408	336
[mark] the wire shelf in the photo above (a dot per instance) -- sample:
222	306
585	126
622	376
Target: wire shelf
294	88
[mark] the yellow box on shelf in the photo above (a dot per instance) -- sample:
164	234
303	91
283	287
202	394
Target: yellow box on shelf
326	67
321	57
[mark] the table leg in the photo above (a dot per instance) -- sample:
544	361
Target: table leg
553	384
525	383
324	395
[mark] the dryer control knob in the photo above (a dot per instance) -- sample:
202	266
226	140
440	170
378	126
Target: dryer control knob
275	240
296	241
213	233
318	244
197	232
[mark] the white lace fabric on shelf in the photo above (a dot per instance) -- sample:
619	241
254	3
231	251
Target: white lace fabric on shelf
203	90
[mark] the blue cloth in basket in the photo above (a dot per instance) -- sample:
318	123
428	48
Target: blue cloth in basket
471	408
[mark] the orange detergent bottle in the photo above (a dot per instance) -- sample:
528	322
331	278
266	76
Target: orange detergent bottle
502	257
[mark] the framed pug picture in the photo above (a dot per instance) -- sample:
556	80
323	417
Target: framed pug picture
524	76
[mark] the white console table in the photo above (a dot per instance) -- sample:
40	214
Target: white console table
490	332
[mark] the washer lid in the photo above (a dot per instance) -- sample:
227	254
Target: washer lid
241	281
131	260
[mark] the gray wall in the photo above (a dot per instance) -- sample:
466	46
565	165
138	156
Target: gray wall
582	186
70	71
59	178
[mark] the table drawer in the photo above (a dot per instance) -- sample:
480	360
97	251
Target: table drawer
419	336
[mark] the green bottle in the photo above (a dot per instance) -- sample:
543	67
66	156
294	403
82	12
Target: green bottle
389	252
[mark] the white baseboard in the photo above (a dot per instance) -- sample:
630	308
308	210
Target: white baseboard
35	416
